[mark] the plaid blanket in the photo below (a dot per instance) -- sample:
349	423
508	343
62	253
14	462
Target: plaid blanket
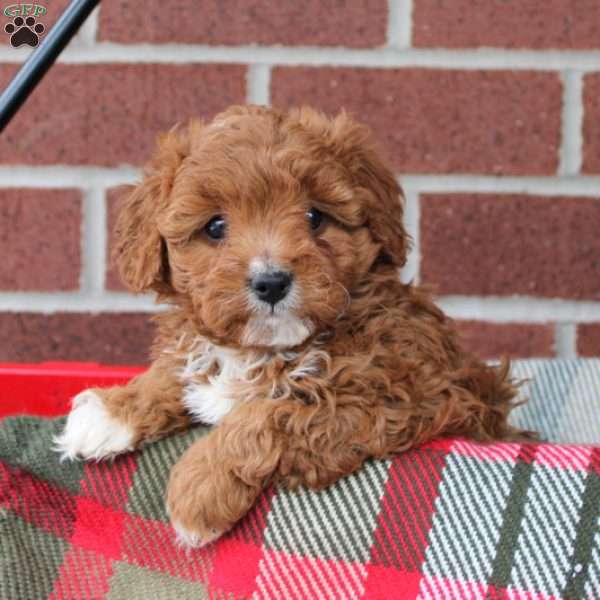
563	399
451	519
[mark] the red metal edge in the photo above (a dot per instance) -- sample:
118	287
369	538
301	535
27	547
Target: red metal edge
46	389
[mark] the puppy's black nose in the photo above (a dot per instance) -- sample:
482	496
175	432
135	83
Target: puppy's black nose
271	287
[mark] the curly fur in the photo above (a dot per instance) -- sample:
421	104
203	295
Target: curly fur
376	367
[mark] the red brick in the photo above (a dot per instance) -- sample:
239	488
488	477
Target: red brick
40	239
435	121
591	123
54	11
113	204
351	23
588	339
109	114
562	24
492	244
516	340
111	338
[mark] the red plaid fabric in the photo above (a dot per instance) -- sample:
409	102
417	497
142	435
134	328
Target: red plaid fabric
452	519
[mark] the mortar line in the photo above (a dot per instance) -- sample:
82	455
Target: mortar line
571	149
524	309
258	82
382	57
410	271
89	176
490	309
66	176
399	29
577	185
565	340
81	301
86	36
94	238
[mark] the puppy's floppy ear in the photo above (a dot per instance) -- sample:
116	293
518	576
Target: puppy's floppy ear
385	206
381	195
140	251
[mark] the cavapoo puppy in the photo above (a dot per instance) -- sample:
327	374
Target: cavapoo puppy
276	239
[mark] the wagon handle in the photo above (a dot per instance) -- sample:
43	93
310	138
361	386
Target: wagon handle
42	58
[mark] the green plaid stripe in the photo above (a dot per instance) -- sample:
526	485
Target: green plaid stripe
585	567
30	559
146	496
512	519
134	583
26	442
340	520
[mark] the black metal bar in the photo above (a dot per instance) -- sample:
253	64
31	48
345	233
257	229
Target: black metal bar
42	58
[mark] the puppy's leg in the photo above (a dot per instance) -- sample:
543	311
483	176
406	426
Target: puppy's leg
218	479
107	422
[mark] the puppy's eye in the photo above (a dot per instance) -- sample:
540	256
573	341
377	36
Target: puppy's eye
215	228
315	218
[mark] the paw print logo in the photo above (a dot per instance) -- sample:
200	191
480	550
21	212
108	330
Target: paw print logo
24	31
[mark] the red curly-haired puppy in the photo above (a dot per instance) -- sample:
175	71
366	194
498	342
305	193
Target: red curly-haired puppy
276	239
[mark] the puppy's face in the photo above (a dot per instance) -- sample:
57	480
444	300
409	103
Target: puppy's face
267	226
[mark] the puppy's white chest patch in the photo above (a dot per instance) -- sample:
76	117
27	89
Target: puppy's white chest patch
207	403
211	374
210	400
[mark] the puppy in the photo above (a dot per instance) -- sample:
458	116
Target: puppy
276	240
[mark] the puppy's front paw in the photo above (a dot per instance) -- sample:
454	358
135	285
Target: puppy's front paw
190	539
195	508
90	432
205	496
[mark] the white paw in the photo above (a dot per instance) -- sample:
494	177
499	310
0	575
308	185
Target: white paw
90	432
189	540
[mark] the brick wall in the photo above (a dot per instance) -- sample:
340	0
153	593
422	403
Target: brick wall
489	109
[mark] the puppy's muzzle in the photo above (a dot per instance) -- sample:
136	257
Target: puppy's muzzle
271	287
